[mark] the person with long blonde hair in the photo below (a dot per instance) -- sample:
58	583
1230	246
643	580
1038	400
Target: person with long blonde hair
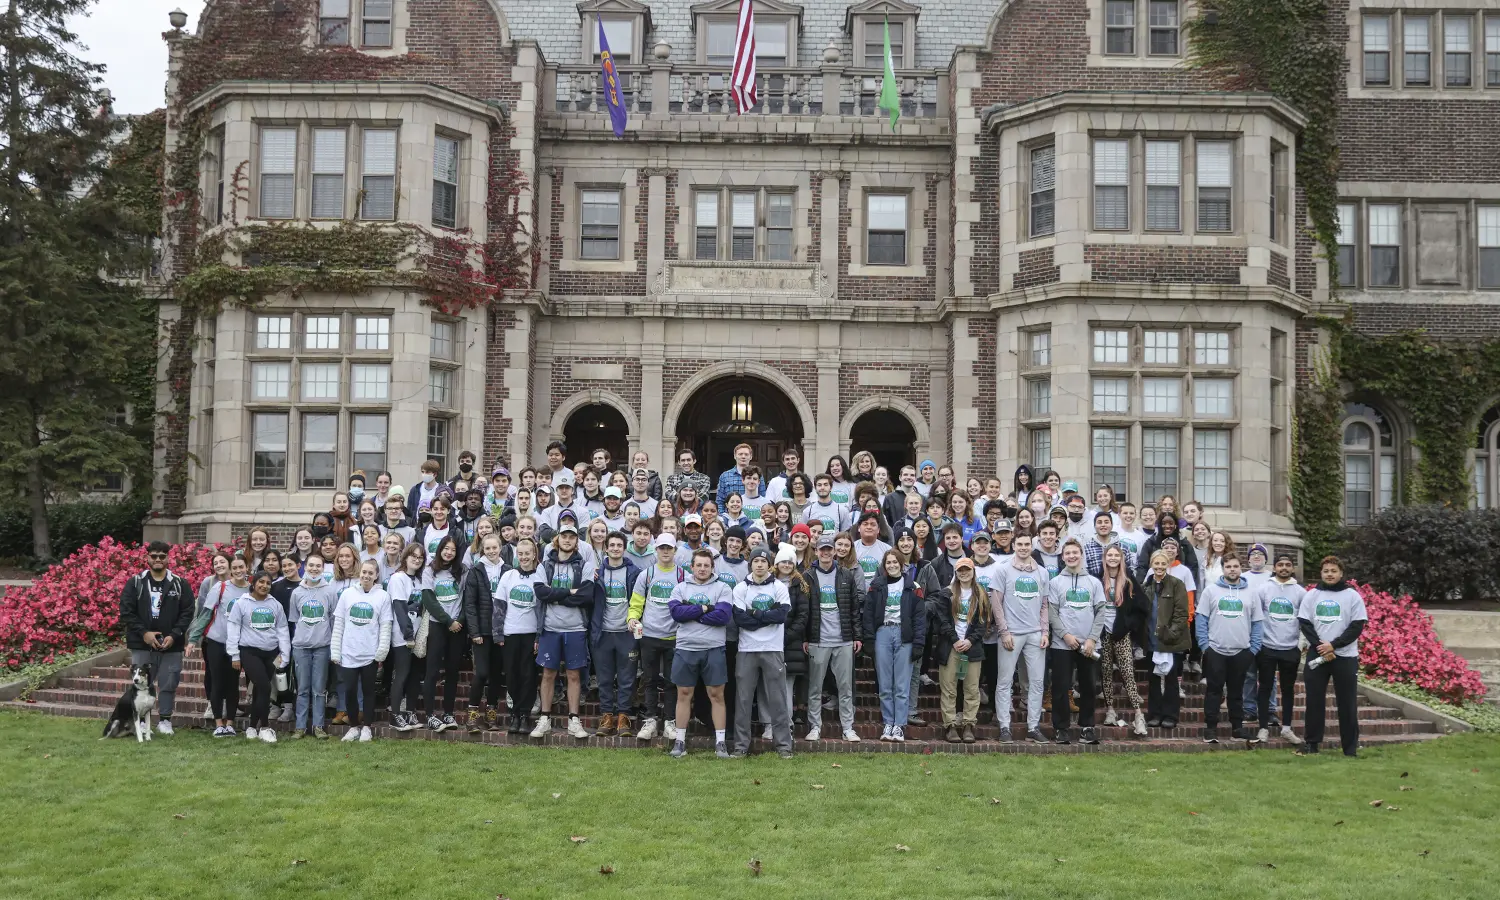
1124	613
962	619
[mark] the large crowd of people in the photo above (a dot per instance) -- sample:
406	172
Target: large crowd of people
745	600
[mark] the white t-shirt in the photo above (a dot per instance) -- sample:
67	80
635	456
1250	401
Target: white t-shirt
748	596
363	623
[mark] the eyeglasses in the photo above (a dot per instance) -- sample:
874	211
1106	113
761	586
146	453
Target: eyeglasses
156	555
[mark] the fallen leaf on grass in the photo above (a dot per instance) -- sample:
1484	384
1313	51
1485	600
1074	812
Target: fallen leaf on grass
489	821
1338	823
837	766
606	870
1406	787
994	801
756	781
299	862
1424	853
902	848
1394	808
179	815
926	751
1404	774
1376	802
1152	770
578	839
46	756
1060	859
556	796
1191	813
1269	865
754	866
817	787
501	897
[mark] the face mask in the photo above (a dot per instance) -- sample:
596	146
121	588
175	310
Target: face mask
1075	516
356	494
428	478
320	531
312	582
465	467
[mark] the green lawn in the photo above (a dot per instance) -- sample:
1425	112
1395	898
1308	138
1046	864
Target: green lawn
190	817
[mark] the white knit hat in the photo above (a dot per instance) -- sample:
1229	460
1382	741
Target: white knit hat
786	553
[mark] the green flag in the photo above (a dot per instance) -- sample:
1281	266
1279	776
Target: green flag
890	97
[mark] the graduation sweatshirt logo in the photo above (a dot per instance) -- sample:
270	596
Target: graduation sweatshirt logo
361	613
1327	611
262	619
762	602
614	594
700	600
1026	588
521	596
1231	607
1280	609
1076	598
312	611
827	598
661	590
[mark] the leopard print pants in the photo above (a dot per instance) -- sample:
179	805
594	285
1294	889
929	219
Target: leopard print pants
1116	654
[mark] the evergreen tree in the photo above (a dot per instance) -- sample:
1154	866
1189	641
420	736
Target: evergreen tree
70	328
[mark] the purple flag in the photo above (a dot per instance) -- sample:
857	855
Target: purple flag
609	82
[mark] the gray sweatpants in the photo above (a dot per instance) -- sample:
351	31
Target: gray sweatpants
1028	649
749	670
166	671
841	659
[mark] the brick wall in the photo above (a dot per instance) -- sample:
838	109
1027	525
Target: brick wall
1305	249
601	283
1204	265
867	288
1035	268
1446	323
984	331
1307	336
1392	139
917	392
564	385
497	427
803	374
1277	274
195	534
673	215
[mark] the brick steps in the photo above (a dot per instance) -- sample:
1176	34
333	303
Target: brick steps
93	696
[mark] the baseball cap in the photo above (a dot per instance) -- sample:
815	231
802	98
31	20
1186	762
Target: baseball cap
1003	525
691	519
567	527
641	472
963	563
760	553
567	514
500	470
565	476
825	540
613	491
543	489
665	540
1070	486
981	536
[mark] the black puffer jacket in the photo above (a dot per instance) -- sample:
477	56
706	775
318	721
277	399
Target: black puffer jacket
846	593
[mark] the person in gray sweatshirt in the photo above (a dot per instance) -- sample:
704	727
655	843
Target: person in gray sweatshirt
1332	618
258	641
1228	623
1279	597
1019	603
702	607
210	630
1076	614
311	610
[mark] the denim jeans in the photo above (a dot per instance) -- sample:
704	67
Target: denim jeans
892	671
614	659
312	684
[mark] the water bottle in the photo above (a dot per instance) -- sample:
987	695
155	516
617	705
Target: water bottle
1315	662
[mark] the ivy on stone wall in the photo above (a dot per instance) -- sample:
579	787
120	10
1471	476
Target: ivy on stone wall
1317	475
1442	389
1286	48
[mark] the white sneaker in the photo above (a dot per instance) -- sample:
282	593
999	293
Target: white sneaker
1140	724
885	733
851	736
208	712
351	735
164	726
669	730
814	733
268	735
647	732
898	734
1262	735
766	734
1111	717
252	733
576	729
365	736
543	727
1287	734
927	681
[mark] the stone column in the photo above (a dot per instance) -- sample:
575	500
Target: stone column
829	231
826	410
966	388
653	357
528	376
656	224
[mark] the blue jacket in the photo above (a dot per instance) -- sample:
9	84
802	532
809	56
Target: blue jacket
632	572
583	596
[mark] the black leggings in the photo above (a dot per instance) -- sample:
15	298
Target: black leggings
1268	664
405	682
519	656
1065	663
656	672
350	681
489	665
224	686
259	666
445	650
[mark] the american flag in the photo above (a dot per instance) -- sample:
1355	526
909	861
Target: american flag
742	80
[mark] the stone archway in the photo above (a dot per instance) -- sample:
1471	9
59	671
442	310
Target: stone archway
674	435
891	428
575	404
732	409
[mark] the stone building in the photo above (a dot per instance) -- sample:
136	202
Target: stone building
1073	250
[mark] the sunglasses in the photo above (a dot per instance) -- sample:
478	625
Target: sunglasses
156	555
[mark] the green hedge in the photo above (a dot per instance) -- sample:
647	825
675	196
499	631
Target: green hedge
73	525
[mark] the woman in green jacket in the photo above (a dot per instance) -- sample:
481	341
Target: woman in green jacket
1170	640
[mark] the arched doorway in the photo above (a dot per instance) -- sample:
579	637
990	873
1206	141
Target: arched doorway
888	436
734	410
593	426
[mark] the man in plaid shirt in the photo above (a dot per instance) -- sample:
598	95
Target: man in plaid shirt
686	475
1103	536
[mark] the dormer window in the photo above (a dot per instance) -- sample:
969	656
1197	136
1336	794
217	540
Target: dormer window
776	30
865	23
626	24
367	24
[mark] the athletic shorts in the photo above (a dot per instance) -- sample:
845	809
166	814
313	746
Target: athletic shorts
563	650
691	666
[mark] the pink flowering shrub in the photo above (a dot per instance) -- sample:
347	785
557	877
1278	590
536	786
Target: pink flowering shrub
77	601
1399	645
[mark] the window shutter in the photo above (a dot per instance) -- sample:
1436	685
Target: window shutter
1043	169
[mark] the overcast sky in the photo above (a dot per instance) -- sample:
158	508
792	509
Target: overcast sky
125	35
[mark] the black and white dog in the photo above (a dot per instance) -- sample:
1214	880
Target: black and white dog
135	706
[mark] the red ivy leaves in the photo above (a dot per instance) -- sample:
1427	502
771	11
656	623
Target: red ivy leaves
77	601
1399	645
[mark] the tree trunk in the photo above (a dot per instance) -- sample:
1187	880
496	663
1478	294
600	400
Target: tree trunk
36	494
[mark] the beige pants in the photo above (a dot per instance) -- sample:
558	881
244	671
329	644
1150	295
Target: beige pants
948	687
